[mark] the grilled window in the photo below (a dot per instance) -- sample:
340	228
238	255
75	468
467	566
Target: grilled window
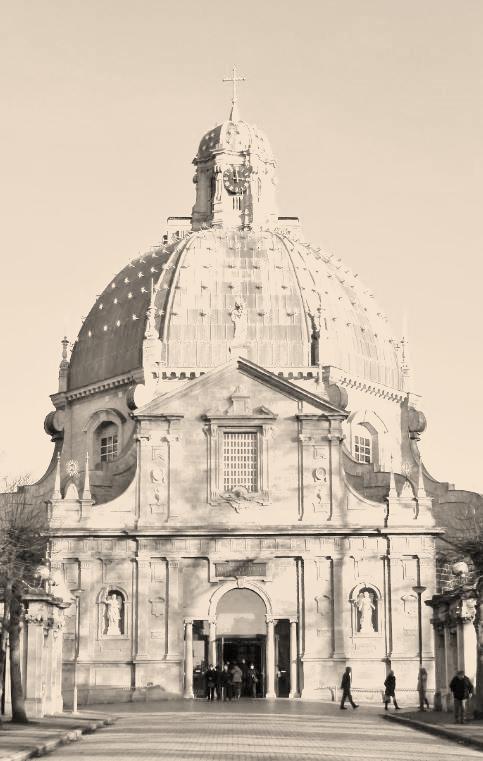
108	448
240	461
362	449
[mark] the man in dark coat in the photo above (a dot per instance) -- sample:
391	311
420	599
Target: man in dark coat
345	686
462	688
390	690
210	681
225	682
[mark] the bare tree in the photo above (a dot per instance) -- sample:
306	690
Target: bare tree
23	547
464	542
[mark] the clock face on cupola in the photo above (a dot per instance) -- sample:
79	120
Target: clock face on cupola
235	175
236	178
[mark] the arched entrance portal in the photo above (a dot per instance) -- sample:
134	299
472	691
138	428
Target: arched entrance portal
241	627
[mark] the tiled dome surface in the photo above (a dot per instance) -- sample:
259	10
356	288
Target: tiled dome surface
280	282
235	136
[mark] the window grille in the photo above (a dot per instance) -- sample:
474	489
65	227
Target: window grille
108	448
240	461
362	449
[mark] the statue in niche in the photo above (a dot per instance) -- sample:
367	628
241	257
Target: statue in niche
114	624
239	318
366	609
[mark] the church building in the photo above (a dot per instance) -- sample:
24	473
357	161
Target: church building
236	474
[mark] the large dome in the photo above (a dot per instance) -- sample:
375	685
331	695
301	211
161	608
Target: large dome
262	294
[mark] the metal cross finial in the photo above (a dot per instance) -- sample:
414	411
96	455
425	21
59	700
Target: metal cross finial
234	101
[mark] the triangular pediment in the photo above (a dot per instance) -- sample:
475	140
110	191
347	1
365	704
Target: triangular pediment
172	402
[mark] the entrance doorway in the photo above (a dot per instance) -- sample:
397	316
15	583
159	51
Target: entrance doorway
245	651
241	634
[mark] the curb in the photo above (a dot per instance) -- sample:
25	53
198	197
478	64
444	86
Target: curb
69	736
434	729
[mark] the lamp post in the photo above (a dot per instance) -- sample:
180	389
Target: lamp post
76	652
419	590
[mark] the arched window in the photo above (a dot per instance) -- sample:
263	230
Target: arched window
367	435
107	442
105	436
362	444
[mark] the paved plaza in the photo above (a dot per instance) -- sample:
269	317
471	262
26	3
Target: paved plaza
257	731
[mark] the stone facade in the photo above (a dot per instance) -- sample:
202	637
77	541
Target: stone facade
306	543
235	468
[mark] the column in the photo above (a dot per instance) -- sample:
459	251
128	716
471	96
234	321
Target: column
212	641
448	668
294	693
174	620
188	658
270	658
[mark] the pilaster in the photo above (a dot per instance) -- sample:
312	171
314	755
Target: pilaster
173	610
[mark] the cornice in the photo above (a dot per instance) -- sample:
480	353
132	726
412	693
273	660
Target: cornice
247	531
136	376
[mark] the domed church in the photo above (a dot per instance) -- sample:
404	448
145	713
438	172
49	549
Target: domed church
236	474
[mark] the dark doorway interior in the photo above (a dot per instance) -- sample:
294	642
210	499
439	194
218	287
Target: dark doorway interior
282	654
245	650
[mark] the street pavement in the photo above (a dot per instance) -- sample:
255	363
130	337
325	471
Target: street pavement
254	730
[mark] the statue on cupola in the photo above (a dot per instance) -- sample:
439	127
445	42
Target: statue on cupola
235	175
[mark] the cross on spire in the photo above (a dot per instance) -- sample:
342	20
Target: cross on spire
234	115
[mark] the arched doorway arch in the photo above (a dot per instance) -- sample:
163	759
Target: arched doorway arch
219	593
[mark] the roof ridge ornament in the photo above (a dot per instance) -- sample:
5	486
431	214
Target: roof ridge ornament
234	114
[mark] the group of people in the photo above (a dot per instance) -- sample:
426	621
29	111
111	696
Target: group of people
231	682
460	686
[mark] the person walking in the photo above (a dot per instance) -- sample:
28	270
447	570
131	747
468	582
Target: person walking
211	679
390	690
236	680
462	689
422	688
345	686
252	680
225	683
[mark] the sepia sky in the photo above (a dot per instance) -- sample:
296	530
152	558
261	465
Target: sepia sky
374	110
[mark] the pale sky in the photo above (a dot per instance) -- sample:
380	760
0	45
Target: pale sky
374	110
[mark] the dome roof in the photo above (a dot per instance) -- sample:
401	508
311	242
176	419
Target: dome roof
237	137
221	292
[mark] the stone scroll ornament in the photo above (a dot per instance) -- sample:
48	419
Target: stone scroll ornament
320	494
158	477
239	498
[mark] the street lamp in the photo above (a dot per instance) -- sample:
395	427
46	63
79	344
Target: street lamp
419	590
75	599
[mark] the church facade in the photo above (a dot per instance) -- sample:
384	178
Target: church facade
236	474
